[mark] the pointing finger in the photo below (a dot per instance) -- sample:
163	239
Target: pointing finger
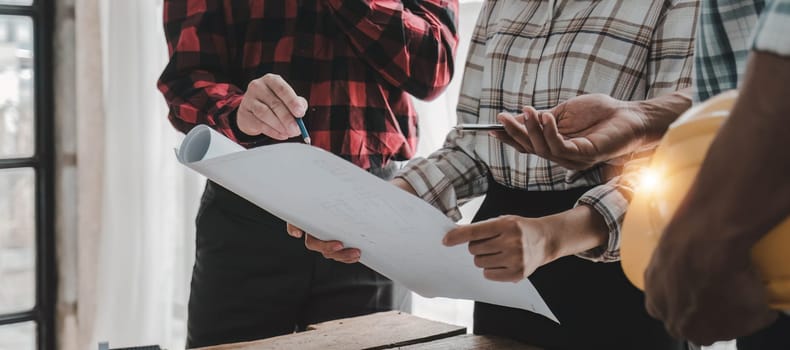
468	233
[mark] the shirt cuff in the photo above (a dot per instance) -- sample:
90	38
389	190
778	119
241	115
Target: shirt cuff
432	186
772	28
612	205
241	138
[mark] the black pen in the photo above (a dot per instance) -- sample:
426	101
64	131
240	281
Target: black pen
480	127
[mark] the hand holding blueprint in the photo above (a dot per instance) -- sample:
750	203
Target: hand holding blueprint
399	234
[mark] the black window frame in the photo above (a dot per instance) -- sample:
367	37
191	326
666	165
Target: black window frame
41	12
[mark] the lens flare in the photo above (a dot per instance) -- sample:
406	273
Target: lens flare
649	180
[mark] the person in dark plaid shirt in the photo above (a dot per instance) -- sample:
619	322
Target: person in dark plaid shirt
248	69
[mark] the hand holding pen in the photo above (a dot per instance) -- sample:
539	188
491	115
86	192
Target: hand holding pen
271	107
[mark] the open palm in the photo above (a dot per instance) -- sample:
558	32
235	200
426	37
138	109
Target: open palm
578	133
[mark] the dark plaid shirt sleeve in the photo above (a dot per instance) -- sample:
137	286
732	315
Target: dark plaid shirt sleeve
196	82
410	43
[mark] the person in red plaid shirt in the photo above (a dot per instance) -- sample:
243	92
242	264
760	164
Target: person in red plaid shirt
248	69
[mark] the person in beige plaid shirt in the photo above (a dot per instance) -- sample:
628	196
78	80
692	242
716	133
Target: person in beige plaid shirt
701	281
540	219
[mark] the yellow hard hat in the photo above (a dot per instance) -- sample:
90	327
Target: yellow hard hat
665	182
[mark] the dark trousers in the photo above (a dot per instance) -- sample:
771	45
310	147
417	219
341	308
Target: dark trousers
597	306
775	337
251	280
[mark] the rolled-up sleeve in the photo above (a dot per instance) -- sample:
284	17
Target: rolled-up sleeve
610	200
411	44
196	82
447	177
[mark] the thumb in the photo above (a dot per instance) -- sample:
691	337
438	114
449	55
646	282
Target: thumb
559	109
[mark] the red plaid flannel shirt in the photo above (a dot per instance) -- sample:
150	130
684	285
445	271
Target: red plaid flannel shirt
354	61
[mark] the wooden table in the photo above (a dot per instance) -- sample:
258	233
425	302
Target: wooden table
386	330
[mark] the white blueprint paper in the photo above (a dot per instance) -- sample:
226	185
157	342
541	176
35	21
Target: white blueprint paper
399	234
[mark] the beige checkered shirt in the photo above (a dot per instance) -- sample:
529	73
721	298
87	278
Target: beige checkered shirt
541	53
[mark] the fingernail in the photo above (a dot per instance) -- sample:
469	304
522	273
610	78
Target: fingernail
528	110
337	247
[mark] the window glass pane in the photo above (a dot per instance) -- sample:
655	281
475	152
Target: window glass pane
16	87
16	2
19	336
17	240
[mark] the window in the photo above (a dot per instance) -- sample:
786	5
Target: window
27	275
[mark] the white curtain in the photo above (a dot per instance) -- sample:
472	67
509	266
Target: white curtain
147	195
136	203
